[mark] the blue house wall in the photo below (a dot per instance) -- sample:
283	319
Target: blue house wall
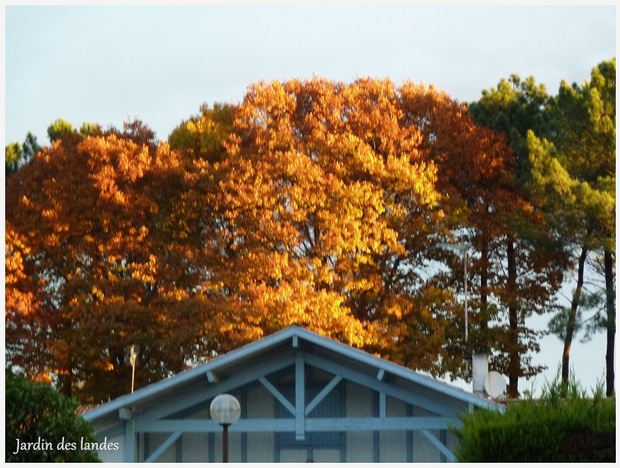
304	397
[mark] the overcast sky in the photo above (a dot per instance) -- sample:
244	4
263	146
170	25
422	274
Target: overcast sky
107	64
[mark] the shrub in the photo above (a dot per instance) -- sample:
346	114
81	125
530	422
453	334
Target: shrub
46	422
563	426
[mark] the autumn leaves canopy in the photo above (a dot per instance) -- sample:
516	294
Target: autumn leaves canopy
311	202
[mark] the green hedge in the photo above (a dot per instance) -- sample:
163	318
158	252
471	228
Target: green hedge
42	425
563	426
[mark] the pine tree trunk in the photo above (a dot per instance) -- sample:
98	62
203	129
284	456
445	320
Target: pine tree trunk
514	365
611	321
572	317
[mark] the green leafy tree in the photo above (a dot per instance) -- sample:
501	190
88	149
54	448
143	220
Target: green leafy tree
533	258
588	116
18	155
574	178
560	197
36	413
59	128
515	107
13	154
204	135
90	129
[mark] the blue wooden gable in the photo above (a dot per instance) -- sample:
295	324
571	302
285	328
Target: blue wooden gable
302	396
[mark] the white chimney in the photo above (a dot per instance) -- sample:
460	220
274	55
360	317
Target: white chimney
480	369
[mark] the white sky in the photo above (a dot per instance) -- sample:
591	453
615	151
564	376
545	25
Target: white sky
107	64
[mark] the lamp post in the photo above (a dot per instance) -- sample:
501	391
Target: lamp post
225	409
464	251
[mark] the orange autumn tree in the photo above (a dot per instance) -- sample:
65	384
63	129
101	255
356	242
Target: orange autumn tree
311	202
85	229
507	271
512	273
22	305
472	162
320	181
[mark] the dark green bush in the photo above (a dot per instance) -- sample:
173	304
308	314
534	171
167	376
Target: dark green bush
563	426
37	414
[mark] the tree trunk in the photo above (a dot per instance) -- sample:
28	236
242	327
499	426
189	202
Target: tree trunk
65	381
611	321
514	365
572	317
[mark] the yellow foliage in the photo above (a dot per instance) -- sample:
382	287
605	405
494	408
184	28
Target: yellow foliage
309	203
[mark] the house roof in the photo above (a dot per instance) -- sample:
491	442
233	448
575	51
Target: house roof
229	364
